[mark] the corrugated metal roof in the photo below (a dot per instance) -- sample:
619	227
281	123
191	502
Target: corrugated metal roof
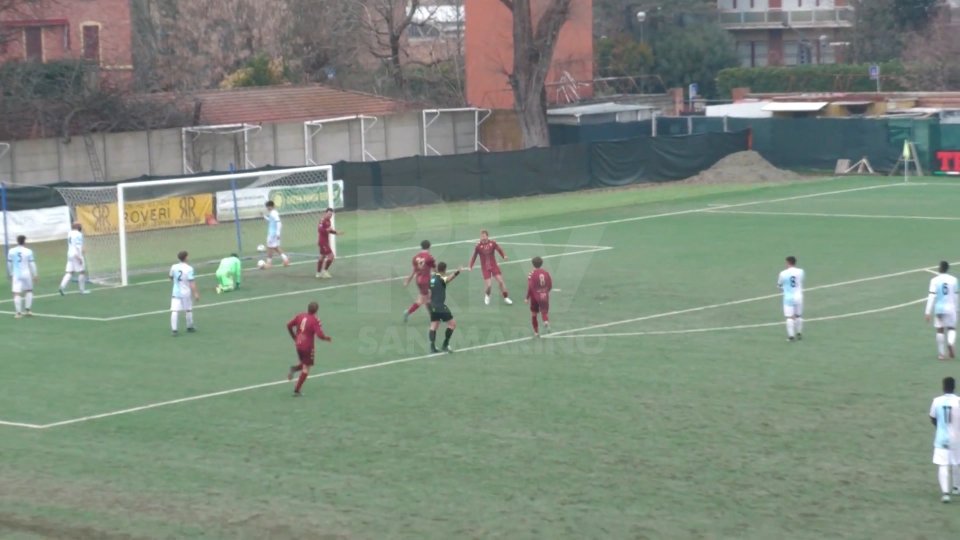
289	103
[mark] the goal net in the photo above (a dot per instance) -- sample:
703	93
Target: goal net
217	148
208	216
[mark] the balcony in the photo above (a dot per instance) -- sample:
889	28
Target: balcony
841	17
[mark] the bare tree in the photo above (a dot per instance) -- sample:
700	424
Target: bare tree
931	58
386	23
533	46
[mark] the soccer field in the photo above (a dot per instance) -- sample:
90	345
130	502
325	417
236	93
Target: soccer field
666	403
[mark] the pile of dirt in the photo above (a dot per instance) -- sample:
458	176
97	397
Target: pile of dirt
743	168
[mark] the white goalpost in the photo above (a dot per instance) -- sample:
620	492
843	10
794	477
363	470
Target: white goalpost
216	147
137	228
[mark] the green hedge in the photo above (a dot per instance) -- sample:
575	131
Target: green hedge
810	78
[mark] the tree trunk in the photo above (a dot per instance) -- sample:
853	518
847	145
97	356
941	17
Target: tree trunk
395	65
532	55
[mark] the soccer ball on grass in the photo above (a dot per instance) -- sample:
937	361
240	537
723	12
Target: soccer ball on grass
261	264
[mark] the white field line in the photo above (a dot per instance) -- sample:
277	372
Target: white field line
594	249
56	316
932	271
421	357
739	326
734	302
20	424
814	214
708	208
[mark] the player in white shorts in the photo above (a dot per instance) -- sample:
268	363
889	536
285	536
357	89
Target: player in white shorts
942	305
184	293
945	416
273	235
790	282
22	269
76	260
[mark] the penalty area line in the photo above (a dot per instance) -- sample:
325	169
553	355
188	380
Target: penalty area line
737	327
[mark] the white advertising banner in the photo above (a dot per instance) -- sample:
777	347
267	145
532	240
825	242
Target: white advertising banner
41	225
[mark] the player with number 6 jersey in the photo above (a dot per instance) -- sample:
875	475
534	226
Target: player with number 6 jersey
304	329
942	305
790	282
423	265
539	285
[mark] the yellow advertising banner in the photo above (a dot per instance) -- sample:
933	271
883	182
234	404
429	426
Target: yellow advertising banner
146	215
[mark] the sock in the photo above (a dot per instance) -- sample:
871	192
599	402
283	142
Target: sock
941	343
189	319
29	300
300	381
173	320
956	476
284	257
319	265
329	263
943	474
82	282
433	338
790	326
413	308
446	337
799	323
18	303
536	324
951	337
505	294
487	292
546	318
65	281
296	368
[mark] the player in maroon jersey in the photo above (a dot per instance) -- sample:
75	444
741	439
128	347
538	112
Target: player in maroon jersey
423	265
539	284
324	230
303	329
487	250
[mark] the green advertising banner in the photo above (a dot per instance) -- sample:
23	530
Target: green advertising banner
306	198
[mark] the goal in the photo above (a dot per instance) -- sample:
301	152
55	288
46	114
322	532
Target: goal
208	216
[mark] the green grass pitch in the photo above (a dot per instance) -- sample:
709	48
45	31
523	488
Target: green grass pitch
667	403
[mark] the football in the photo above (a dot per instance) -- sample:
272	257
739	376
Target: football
261	248
261	264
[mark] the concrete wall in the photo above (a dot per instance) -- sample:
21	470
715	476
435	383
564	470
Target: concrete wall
159	153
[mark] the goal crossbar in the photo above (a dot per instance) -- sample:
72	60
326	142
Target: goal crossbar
217	129
312	128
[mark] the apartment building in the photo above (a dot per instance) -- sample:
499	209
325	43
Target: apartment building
788	32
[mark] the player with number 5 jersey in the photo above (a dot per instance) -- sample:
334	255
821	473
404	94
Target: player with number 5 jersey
22	269
942	308
790	282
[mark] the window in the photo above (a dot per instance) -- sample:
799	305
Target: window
91	42
33	44
752	53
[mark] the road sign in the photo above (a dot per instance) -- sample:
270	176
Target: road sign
874	72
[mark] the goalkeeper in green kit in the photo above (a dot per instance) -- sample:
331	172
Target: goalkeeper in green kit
228	274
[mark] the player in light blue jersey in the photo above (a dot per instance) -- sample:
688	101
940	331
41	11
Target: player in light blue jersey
76	260
22	269
942	306
181	274
790	282
945	416
274	227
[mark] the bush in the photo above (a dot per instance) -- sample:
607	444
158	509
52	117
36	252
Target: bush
53	80
810	78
